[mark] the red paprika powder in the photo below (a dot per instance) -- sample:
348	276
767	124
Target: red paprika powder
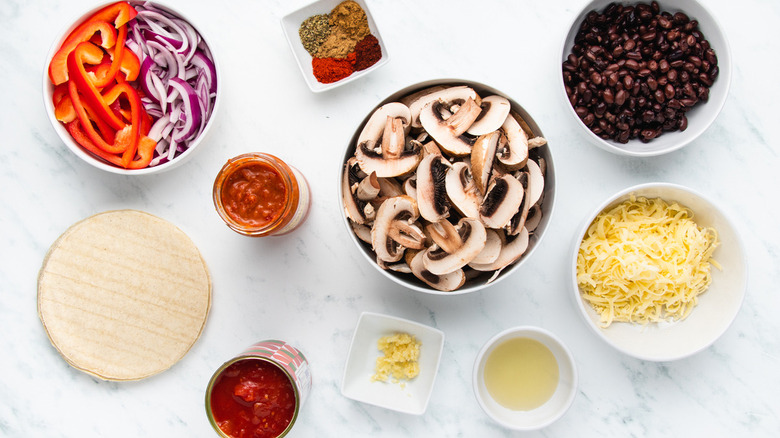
367	52
328	70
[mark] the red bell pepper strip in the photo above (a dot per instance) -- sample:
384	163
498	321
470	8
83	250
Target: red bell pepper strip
89	53
145	148
130	138
58	67
116	62
118	14
130	64
64	111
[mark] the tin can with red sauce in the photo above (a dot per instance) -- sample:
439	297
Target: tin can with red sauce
258	194
266	406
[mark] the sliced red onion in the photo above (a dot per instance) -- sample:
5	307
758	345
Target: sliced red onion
178	77
191	110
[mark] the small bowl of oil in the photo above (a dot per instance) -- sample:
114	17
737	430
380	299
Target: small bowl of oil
525	378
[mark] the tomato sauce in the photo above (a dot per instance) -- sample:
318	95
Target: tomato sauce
254	195
253	398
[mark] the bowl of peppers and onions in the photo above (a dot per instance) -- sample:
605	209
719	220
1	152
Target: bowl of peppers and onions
131	87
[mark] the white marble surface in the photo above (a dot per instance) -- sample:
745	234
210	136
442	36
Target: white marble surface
309	287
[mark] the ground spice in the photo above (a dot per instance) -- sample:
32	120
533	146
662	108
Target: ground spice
313	32
338	44
328	70
349	24
349	16
367	53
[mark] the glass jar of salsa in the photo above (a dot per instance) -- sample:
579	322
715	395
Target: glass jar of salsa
257	194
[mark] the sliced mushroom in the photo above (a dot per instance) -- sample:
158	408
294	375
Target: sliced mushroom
410	186
401	267
448	132
431	191
483	154
394	214
354	207
382	145
535	182
503	199
492	249
495	110
417	101
533	218
368	188
461	190
389	188
447	282
515	153
375	126
363	232
512	248
464	242
518	220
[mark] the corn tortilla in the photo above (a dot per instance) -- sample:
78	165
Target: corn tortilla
123	295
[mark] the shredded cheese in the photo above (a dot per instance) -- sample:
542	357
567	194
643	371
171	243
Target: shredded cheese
644	261
400	354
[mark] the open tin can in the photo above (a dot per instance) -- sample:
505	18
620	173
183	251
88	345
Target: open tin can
259	392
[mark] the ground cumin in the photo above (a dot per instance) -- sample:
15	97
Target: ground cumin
348	25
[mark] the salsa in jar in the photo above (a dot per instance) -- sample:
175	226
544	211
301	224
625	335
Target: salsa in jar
253	398
257	194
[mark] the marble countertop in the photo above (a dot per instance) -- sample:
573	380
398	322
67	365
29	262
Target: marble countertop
309	287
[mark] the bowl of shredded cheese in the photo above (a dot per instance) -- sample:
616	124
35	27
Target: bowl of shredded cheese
658	271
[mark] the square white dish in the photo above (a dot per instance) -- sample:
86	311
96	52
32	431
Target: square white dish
292	22
407	396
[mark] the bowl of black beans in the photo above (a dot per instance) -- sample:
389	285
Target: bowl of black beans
644	79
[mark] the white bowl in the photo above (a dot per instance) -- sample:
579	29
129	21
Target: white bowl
717	306
48	89
412	396
699	118
482	281
552	409
292	22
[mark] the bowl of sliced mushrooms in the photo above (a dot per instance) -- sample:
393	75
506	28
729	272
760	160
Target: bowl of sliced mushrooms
447	186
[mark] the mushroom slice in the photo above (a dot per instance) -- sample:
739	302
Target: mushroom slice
535	182
503	199
417	101
482	156
375	126
465	242
461	189
533	218
512	248
400	267
382	145
389	188
363	232
354	207
410	186
431	191
514	155
495	110
408	235
518	220
448	133
392	213
446	283
368	188
492	249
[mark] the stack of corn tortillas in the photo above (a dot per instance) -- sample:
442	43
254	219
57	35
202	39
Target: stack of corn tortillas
123	295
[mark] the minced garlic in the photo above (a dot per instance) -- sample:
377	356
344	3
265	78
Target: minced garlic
401	352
